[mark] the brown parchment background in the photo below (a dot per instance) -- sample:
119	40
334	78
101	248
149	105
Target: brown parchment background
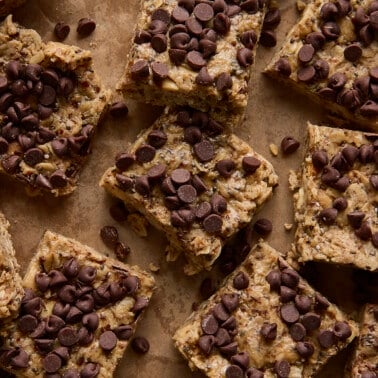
273	112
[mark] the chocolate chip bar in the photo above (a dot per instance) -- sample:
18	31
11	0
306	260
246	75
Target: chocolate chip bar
365	360
194	181
194	53
6	6
331	55
50	103
11	291
335	199
265	321
78	313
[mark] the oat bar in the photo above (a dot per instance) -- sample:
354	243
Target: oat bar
265	321
194	53
335	195
50	103
6	6
11	290
78	313
331	55
364	363
194	181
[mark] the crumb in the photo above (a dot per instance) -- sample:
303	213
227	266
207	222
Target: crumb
273	149
153	268
288	226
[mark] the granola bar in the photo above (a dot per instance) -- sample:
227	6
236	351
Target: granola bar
265	321
365	360
78	313
331	55
6	6
11	290
50	103
194	181
194	53
335	199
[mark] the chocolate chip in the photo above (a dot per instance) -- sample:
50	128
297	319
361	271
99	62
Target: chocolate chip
27	323
142	36
244	57
249	39
223	82
119	109
297	331
3	146
58	179
209	325
303	303
353	52
145	153
48	96
140	345
283	66
263	227
203	77
19	88
316	39
287	294
52	363
368	374
139	70
250	6
157	172
206	343
269	331
90	370
192	135
306	53
230	301
342	330
87	274
193	26
123	332
329	175
234	371
218	204
203	12
85	27
61	309
159	44
221	23
229	349
369	109
331	30
306	74
329	11
180	176
67	336
40	331
250	164
61	30
85	303
199	184
364	231
33	156
162	15
374	20
90	321
54	323
109	235
328	216
203	210
305	349
355	218
225	167
282	368
311	321
204	151
240	281
321	68
254	373
326	338
108	341
195	60
187	193
274	279
289	313
268	38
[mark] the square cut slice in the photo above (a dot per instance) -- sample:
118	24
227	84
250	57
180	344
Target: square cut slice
335	199
78	313
264	321
11	290
192	53
192	180
50	103
7	6
331	56
364	363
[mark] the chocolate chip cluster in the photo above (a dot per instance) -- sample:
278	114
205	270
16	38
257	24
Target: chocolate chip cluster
219	328
74	320
190	34
28	95
303	316
181	188
333	173
362	95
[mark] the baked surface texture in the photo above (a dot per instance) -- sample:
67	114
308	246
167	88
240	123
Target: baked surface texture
331	56
11	291
261	317
50	103
6	6
335	195
206	189
365	358
79	311
193	54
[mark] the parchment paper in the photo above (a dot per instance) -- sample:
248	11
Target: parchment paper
273	112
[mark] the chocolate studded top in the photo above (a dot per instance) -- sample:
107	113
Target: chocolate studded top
334	61
206	48
200	180
251	328
44	134
74	301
